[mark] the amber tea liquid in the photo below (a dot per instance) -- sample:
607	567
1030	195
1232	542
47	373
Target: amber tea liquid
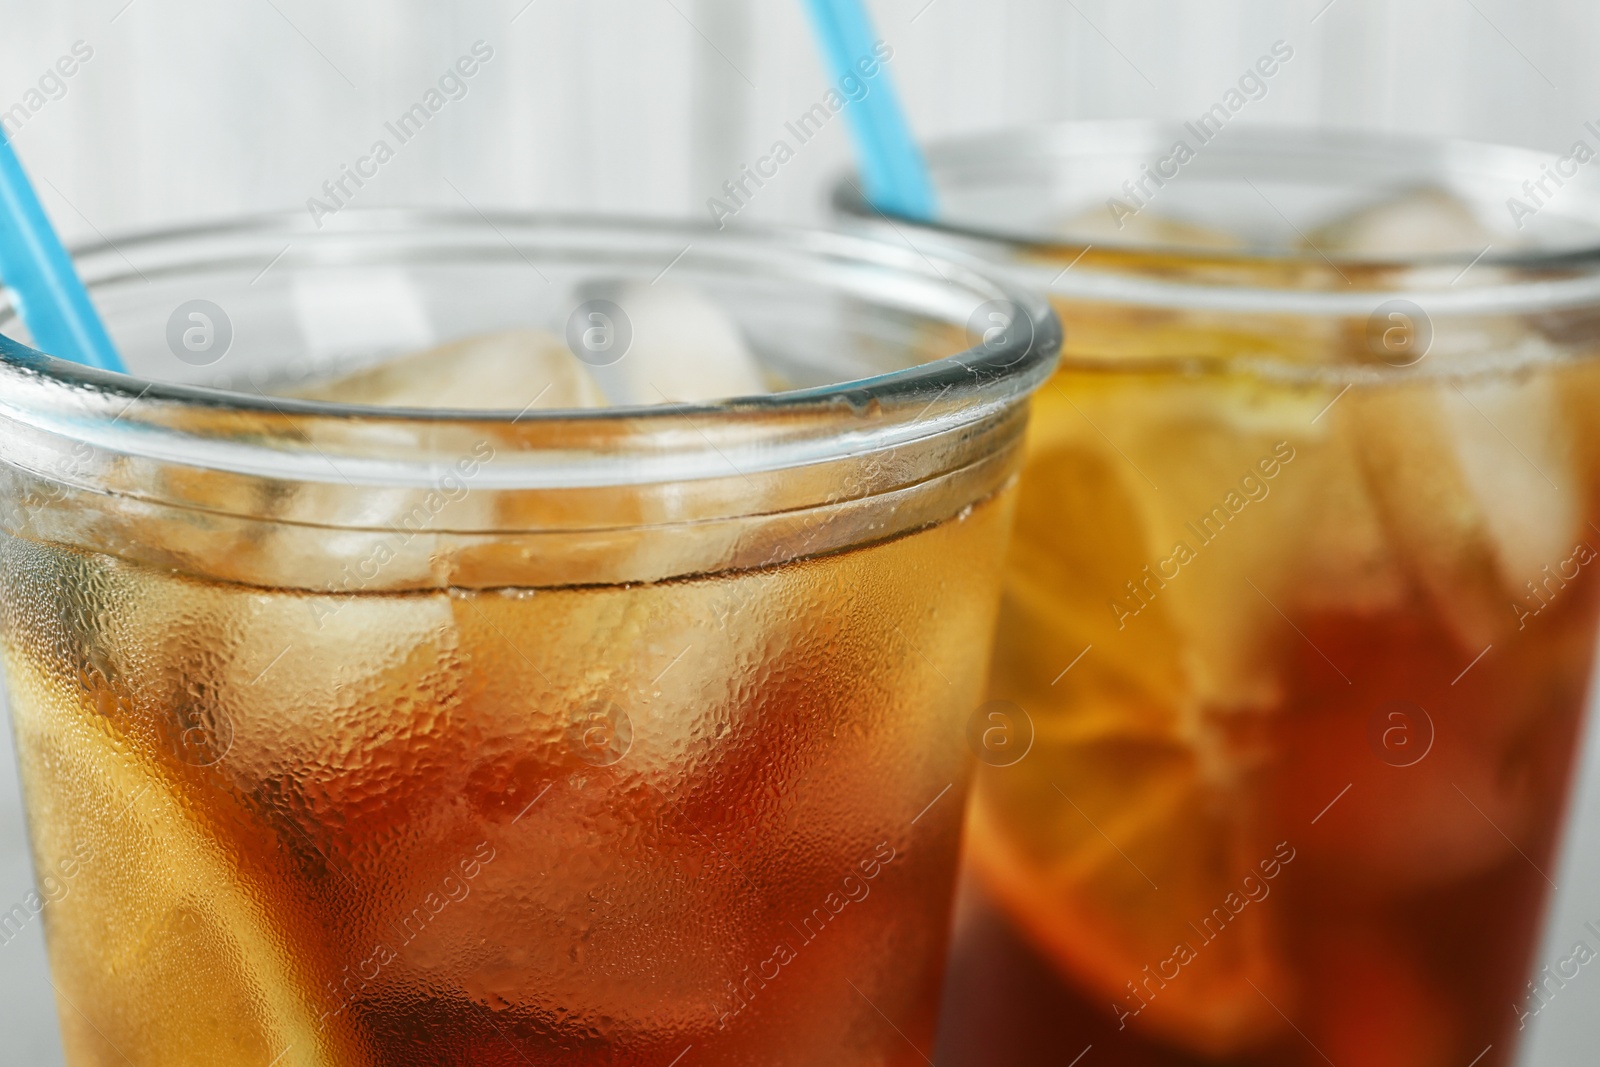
586	825
1298	800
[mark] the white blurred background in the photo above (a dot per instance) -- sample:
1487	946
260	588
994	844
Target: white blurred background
194	109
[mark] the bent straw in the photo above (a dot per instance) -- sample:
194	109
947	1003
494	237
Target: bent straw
892	168
45	285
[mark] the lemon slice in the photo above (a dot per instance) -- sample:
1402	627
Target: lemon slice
1123	863
1131	819
159	953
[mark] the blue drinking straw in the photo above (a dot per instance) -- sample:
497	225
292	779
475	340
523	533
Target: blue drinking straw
892	168
44	284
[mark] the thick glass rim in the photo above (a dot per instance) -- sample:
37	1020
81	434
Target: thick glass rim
786	429
1540	278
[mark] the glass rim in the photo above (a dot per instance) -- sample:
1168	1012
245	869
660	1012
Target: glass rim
1560	278
905	405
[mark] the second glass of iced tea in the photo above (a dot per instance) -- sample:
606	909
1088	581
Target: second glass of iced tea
1300	616
524	700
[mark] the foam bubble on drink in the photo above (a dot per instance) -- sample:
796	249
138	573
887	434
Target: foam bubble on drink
514	369
684	348
1419	222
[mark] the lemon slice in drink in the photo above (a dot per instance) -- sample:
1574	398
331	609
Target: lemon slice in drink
1128	883
1122	841
158	952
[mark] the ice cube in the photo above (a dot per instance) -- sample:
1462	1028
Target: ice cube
1527	491
1419	222
684	348
1478	488
1433	518
514	369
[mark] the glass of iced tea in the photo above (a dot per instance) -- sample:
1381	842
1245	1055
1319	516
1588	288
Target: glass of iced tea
420	660
1300	613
